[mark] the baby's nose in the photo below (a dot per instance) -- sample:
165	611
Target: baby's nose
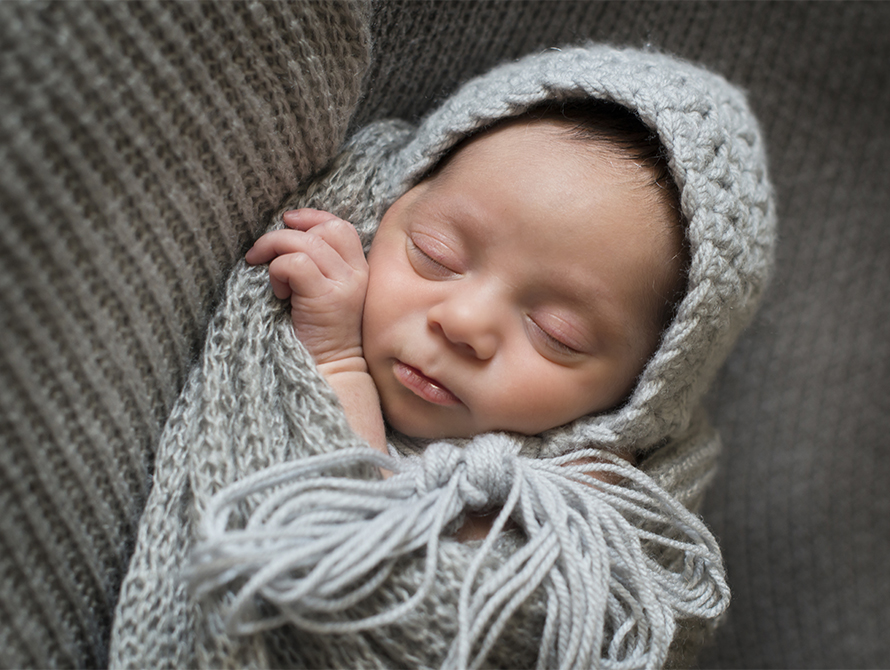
470	326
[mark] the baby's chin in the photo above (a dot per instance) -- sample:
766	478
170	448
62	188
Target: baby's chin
429	423
421	430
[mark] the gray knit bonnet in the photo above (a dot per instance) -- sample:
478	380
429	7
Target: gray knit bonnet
717	158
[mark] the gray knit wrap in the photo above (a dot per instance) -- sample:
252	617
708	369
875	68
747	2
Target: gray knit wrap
256	425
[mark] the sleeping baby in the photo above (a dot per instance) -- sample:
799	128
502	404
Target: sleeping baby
523	284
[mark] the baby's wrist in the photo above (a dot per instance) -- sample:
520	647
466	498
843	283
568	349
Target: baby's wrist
351	380
344	364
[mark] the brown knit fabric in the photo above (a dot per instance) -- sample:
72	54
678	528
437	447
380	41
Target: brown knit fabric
141	145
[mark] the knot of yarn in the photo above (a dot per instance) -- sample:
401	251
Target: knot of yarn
484	469
624	561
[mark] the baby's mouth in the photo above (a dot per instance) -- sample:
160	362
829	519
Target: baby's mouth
424	387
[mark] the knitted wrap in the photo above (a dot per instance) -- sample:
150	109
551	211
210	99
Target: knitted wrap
257	467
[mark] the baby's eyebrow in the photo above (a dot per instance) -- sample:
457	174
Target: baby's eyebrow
432	211
458	213
572	285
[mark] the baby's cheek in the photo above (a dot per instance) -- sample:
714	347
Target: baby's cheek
532	404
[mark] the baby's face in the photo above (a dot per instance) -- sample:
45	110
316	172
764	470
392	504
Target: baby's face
517	289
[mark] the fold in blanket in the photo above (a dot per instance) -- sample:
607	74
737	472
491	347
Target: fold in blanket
256	408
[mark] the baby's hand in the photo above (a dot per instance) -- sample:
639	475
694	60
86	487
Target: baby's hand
319	264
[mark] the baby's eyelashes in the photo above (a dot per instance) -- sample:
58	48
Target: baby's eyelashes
551	341
430	263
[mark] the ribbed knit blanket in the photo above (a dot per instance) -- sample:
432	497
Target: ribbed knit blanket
142	144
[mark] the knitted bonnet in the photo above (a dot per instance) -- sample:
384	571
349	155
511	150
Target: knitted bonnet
717	158
293	526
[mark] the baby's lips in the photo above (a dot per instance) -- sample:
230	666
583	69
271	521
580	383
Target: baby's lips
431	390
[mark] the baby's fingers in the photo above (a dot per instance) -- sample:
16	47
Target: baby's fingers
339	234
268	247
306	218
283	242
277	243
296	273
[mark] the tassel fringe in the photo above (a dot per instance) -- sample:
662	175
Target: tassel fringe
619	563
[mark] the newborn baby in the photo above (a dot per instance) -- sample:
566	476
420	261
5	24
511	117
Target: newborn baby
521	285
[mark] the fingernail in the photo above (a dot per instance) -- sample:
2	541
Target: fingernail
292	214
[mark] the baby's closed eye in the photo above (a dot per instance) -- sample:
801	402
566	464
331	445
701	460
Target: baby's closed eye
431	258
550	340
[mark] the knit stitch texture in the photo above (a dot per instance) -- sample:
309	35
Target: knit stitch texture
141	145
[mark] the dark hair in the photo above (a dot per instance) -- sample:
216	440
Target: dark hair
603	123
612	125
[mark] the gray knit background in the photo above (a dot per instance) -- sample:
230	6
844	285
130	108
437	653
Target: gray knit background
143	144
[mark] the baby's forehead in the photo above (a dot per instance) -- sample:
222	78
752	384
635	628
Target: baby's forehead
523	139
